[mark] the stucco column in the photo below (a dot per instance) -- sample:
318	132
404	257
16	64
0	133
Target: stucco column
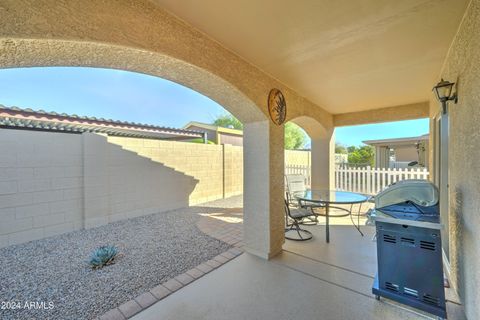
323	161
263	188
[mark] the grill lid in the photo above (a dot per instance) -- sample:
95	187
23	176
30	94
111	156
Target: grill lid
420	192
410	211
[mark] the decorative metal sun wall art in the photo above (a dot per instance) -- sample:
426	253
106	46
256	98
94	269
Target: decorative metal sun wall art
277	107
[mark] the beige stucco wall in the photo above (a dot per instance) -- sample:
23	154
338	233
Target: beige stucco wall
462	66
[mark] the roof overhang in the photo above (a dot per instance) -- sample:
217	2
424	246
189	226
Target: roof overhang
408	141
396	113
344	56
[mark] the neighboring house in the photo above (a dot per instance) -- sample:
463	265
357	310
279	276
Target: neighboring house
398	153
28	119
216	134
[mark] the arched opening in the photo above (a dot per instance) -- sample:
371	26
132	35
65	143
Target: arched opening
79	94
321	152
256	164
312	127
49	53
145	38
297	152
257	131
317	213
198	64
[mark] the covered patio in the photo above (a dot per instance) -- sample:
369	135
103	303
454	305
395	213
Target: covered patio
337	64
308	280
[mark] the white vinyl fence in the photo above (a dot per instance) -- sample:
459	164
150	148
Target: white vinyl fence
365	180
300	169
372	180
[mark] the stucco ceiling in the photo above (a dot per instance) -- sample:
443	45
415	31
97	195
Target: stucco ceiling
344	55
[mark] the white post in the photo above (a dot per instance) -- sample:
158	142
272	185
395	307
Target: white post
349	179
369	180
363	181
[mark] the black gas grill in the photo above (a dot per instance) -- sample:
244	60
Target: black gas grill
409	250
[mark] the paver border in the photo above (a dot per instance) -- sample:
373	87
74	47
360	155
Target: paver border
147	299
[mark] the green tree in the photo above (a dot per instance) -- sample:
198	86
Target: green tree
228	121
363	155
295	137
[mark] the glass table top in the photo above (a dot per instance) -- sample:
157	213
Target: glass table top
331	196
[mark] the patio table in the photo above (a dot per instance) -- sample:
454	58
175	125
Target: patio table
331	198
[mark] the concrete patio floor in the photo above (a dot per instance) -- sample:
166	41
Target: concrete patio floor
309	280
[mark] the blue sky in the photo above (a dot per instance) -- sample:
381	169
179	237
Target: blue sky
354	135
106	93
129	96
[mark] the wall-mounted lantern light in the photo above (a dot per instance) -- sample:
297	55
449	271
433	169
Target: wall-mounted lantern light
444	92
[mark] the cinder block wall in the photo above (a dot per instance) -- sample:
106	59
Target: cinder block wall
41	185
233	170
120	184
52	183
218	168
297	157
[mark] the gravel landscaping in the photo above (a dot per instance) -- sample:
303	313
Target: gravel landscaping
152	249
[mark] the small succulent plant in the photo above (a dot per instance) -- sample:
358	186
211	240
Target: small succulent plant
103	256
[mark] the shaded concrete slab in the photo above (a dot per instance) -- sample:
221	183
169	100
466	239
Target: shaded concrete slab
356	282
349	260
347	248
252	288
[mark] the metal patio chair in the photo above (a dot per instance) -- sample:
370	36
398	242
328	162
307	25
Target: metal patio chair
295	183
293	230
